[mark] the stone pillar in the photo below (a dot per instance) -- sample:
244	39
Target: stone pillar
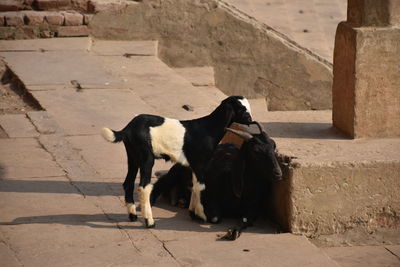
366	70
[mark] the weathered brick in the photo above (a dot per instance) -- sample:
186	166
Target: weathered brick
72	18
14	18
54	18
33	17
72	31
52	4
10	5
87	18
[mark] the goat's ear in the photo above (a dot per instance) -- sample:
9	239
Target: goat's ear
238	177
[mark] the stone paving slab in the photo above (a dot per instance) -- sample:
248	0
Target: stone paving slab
43	123
311	24
50	44
155	83
362	256
260	250
17	125
198	76
24	158
73	225
395	249
109	160
127	48
309	136
87	111
59	68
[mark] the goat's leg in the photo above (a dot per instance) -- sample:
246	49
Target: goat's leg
145	188
196	208
129	186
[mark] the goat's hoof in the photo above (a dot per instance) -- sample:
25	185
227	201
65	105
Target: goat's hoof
214	219
133	217
148	225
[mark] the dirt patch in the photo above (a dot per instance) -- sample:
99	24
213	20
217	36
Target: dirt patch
13	97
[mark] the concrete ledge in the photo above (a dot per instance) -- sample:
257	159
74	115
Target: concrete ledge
337	191
248	57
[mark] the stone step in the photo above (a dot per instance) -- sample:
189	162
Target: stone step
337	191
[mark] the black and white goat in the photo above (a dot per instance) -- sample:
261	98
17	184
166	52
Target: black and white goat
236	179
190	143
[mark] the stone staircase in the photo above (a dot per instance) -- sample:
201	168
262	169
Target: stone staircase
116	81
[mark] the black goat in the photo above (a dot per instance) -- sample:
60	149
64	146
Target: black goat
190	143
236	179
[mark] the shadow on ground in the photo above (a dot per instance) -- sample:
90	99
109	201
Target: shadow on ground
302	130
62	187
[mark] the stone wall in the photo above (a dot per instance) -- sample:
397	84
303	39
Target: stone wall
248	57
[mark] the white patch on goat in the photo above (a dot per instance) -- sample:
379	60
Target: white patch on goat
195	201
246	103
108	134
131	208
168	139
144	198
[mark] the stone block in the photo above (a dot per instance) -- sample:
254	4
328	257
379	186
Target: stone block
335	190
52	4
73	31
54	18
87	18
366	81
10	5
72	18
373	12
33	17
14	18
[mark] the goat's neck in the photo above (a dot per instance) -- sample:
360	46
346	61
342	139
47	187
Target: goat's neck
219	119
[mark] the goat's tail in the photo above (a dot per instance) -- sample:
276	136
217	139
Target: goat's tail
111	135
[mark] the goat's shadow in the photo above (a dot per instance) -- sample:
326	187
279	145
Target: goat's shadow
179	221
167	217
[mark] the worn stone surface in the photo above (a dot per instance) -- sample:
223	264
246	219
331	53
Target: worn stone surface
54	18
75	118
373	13
52	4
10	5
14	18
33	18
251	60
17	125
120	48
69	31
45	44
51	72
366	81
311	24
72	18
43	123
198	76
362	256
24	158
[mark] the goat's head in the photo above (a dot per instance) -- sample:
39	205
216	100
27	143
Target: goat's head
241	109
259	150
